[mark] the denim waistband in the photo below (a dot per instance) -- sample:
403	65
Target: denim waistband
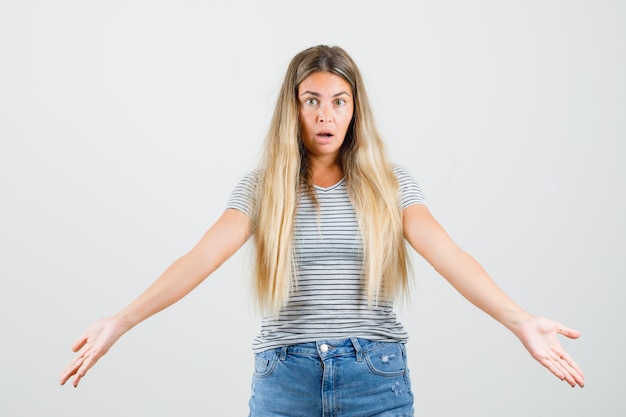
331	348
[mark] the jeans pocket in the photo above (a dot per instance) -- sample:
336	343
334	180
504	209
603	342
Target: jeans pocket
264	363
386	360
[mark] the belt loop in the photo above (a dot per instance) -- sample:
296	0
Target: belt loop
357	347
283	353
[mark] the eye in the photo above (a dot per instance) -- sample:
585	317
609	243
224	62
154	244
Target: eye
340	102
311	101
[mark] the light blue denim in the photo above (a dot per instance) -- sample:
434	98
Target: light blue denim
332	378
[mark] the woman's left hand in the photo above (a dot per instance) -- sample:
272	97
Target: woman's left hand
539	337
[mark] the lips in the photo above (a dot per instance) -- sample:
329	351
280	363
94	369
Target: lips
324	136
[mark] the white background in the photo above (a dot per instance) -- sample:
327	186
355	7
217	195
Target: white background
124	126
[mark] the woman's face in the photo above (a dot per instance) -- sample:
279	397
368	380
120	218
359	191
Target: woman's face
326	107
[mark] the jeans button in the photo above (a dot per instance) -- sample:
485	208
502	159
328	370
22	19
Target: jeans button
324	348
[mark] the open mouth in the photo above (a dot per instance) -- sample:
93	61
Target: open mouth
324	138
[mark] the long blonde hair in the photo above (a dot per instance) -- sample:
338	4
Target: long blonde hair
371	182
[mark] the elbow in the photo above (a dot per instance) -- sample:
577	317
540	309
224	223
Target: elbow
447	260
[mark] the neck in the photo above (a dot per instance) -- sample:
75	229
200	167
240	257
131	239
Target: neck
324	172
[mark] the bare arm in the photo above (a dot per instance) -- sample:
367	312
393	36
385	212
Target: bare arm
218	244
469	278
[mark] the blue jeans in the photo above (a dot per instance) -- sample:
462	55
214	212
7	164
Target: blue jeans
332	378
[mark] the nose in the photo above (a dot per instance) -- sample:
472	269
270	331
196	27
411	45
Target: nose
324	115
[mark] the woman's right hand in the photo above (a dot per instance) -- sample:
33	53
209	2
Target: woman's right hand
223	239
91	346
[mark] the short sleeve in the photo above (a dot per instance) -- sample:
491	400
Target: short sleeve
410	191
243	195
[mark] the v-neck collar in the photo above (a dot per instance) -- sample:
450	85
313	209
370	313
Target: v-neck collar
326	189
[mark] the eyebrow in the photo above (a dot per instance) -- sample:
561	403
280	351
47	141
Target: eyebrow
314	94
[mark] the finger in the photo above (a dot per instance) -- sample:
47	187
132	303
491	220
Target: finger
80	342
568	332
89	360
573	378
77	380
572	363
573	371
559	367
74	365
75	371
580	380
561	362
567	375
65	375
569	365
552	367
70	370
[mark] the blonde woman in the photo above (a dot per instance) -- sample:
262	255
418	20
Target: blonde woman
329	216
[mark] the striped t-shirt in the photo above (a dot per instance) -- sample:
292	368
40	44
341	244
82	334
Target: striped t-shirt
328	300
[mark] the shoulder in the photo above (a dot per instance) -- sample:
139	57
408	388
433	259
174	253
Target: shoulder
249	182
404	177
252	177
245	192
400	171
409	190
